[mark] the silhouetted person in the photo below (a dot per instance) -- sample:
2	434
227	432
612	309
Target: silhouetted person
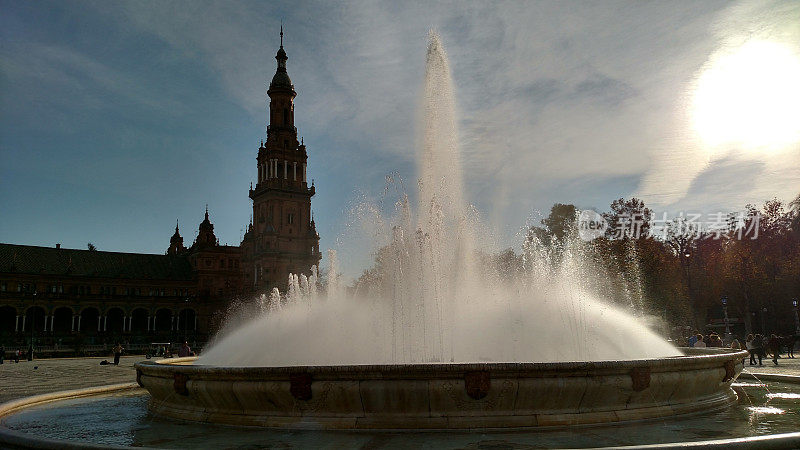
751	348
789	341
2	354
184	351
758	346
117	353
774	345
16	356
30	352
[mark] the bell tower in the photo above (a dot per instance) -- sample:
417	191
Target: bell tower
282	238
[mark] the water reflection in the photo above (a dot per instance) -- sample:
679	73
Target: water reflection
765	410
122	419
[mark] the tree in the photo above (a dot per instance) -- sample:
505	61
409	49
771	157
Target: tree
795	207
91	247
680	237
560	221
628	218
508	264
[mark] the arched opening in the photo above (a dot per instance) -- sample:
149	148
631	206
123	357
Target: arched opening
163	320
8	320
62	320
89	320
139	320
115	321
187	320
34	319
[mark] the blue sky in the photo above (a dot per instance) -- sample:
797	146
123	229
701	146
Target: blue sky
117	118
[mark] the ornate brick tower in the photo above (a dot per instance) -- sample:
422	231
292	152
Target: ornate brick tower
282	238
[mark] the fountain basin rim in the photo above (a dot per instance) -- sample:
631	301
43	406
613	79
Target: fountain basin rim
443	396
691	357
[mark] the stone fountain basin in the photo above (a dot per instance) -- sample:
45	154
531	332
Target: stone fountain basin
443	396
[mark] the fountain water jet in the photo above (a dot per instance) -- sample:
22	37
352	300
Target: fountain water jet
441	308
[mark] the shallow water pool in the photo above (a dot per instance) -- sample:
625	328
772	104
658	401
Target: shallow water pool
123	419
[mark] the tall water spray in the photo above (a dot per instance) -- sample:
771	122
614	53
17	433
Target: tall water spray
429	300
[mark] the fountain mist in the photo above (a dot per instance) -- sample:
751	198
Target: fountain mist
429	297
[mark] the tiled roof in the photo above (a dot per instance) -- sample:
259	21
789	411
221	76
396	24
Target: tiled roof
27	259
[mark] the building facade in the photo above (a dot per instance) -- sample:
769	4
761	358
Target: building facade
55	297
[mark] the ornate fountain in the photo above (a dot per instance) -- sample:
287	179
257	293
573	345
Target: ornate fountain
443	396
440	344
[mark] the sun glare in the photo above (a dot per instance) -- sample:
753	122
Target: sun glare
750	98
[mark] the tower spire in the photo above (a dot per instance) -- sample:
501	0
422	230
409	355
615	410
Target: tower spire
206	211
281	57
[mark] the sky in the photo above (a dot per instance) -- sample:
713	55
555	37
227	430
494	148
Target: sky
119	118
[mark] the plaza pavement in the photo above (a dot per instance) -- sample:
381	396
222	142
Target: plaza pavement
42	376
786	366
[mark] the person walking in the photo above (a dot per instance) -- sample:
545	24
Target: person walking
117	353
751	348
16	356
184	351
774	346
758	347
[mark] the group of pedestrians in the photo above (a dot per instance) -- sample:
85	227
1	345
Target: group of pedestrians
15	355
759	347
712	340
117	350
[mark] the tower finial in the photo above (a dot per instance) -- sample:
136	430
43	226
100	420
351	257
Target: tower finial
176	225
206	211
281	33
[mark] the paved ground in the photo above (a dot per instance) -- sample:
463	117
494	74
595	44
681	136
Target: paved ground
41	376
785	366
49	375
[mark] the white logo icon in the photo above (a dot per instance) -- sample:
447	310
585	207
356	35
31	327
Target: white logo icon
591	225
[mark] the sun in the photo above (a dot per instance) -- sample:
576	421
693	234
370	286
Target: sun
750	98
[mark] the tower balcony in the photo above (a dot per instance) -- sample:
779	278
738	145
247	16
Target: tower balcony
283	185
273	128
